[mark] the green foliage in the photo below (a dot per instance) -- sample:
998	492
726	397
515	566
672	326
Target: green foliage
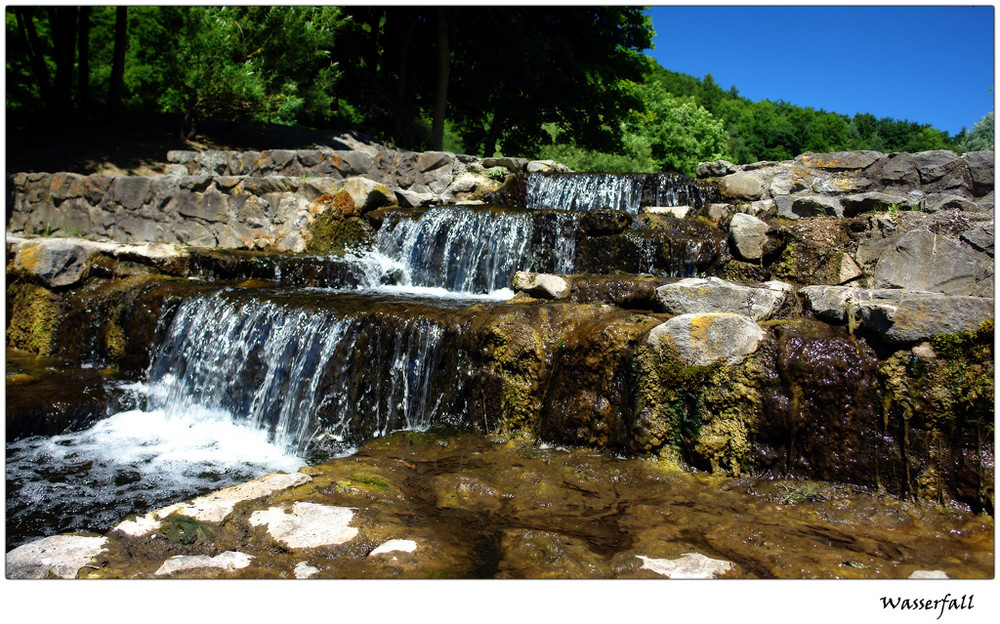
980	138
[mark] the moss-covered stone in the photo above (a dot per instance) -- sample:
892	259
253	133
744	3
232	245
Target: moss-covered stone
33	317
332	233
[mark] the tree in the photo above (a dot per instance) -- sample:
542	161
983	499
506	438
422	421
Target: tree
980	138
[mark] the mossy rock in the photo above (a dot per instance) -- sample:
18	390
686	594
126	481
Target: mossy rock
34	313
331	233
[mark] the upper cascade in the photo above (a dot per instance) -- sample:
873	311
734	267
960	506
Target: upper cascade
628	192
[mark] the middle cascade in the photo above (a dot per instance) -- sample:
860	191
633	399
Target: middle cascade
477	250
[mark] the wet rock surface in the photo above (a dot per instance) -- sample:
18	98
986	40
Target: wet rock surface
444	504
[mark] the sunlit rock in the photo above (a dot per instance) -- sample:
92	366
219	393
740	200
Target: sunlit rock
742	186
61	556
303	570
229	560
394	545
748	235
541	285
709	295
215	507
702	339
688	566
929	574
307	525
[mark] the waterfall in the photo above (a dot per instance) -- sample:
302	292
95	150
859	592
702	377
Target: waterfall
299	372
477	251
612	191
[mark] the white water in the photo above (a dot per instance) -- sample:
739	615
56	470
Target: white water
131	461
602	191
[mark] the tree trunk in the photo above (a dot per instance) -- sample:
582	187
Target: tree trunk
35	56
62	21
443	69
118	59
83	56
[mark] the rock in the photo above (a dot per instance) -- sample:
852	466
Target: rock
678	212
845	183
546	166
688	566
815	206
541	285
783	204
229	560
981	238
129	192
702	339
923	260
715	169
718	212
981	165
367	194
741	186
303	570
900	316
394	545
860	159
948	201
308	525
788	183
849	269
899	169
414	199
215	507
830	303
929	574
748	235
876	201
711	295
935	164
61	556
56	262
508	163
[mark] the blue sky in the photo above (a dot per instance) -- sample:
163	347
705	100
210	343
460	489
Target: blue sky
928	64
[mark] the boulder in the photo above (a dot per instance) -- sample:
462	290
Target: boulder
508	163
55	261
742	186
949	201
902	317
678	212
860	159
924	260
61	556
367	194
935	164
748	235
899	315
713	295
229	560
981	165
899	169
815	206
546	166
715	169
702	339
541	285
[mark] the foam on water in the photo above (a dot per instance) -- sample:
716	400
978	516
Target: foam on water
129	462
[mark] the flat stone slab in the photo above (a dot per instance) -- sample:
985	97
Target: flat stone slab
229	560
899	315
61	556
714	295
308	525
216	506
394	545
689	566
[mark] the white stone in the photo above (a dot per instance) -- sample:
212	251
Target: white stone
543	285
674	211
308	525
714	295
394	545
749	235
216	506
702	339
929	574
59	555
229	560
303	570
688	566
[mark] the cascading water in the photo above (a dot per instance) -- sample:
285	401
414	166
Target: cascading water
475	251
606	191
